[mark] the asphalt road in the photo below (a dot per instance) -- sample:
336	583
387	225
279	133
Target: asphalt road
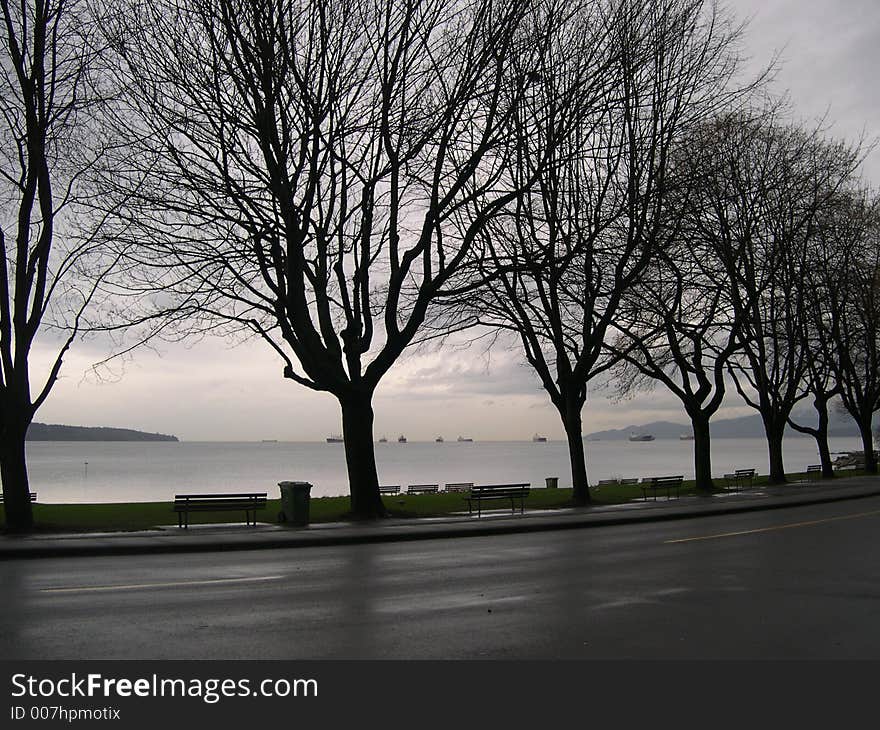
801	582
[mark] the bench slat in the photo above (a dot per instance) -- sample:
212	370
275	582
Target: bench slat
220	495
194	506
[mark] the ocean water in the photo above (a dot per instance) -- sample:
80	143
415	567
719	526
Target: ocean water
68	472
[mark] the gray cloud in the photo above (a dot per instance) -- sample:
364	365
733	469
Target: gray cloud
829	54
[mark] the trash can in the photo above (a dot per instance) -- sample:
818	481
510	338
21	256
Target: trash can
552	482
294	502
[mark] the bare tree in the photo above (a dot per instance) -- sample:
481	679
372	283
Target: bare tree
851	308
565	255
763	198
52	261
294	166
821	281
678	330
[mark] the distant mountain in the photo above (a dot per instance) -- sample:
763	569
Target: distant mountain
742	427
55	432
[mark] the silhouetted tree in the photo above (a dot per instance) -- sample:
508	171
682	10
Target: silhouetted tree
293	168
52	261
852	309
563	257
822	278
678	331
765	193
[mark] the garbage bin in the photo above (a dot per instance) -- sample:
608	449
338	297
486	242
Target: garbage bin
294	502
552	482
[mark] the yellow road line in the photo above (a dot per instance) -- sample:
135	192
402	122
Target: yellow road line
138	586
774	527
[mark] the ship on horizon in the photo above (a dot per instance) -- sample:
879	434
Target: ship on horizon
640	437
335	439
401	439
538	439
463	440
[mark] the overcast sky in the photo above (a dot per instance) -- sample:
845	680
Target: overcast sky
829	55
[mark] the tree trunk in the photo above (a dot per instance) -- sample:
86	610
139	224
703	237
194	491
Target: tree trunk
702	452
824	455
774	446
868	445
571	419
821	436
13	471
360	455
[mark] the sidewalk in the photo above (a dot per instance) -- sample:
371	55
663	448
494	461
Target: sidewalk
205	538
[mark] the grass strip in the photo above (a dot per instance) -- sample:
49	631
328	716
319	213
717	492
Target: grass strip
127	516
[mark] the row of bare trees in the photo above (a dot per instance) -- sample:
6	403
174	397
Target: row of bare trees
752	293
565	261
741	258
342	180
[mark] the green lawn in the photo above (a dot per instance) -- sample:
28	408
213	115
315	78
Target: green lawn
146	515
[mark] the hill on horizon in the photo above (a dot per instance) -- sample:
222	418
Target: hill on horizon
58	432
741	427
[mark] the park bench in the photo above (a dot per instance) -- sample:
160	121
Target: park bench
249	502
740	479
857	463
491	492
31	495
389	489
655	484
459	487
814	471
422	489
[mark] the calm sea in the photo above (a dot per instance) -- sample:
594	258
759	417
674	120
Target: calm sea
144	472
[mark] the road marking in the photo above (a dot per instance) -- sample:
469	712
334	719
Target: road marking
810	523
140	586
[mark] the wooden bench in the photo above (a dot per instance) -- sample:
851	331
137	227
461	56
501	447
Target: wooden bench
814	471
423	489
655	484
459	487
739	479
389	489
31	495
858	464
249	502
489	492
